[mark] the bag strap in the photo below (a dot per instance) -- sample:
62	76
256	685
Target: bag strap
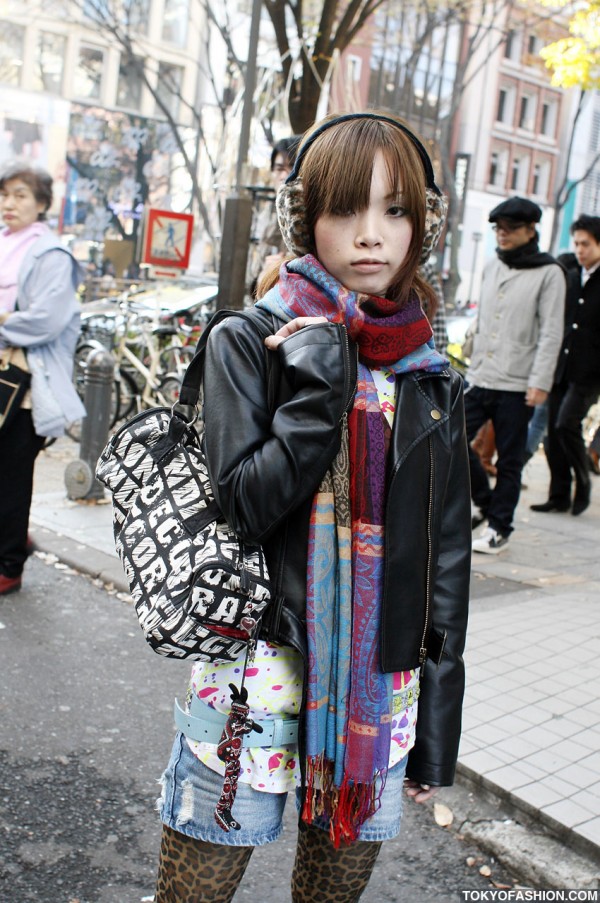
190	388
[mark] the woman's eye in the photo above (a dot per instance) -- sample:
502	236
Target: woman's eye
396	210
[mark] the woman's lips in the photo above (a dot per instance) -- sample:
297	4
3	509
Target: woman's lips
368	266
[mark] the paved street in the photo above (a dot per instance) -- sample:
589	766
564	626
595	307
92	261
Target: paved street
85	731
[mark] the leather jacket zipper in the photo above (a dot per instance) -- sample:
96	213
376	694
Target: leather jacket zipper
423	649
349	396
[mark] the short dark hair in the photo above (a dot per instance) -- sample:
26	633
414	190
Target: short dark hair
587	223
35	177
287	147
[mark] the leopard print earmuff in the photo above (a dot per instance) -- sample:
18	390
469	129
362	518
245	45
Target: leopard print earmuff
290	197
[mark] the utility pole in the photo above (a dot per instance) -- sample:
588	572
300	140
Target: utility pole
237	220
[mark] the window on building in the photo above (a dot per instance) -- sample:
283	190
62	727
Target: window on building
494	168
502	99
533	45
49	62
540	178
136	15
548	118
523	112
88	75
353	68
168	88
515	173
12	38
175	22
527	112
130	82
131	14
509	45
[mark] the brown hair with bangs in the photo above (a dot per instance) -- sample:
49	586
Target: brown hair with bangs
336	176
336	173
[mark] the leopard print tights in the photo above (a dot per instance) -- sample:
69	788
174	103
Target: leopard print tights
194	871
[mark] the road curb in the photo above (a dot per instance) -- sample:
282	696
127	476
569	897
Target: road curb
536	849
81	557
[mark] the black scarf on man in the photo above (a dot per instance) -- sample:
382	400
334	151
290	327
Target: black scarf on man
526	257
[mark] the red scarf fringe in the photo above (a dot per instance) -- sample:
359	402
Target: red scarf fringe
346	807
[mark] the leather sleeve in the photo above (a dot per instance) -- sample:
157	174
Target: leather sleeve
433	758
263	465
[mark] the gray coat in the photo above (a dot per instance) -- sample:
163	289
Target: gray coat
519	327
46	325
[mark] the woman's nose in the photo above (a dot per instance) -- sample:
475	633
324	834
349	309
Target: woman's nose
368	233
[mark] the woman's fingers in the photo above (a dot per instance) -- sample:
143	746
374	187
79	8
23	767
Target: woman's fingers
290	328
420	793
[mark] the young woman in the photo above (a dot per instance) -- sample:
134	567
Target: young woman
39	326
355	481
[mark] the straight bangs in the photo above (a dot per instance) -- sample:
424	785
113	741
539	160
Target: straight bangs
336	177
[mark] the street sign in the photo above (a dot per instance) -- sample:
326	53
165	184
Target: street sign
168	239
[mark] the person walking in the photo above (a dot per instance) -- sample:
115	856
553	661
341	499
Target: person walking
39	326
516	341
577	379
271	249
356	486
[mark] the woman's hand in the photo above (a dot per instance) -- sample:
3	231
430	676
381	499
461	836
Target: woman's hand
420	793
273	341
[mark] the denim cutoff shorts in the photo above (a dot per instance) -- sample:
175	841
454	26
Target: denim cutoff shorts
190	792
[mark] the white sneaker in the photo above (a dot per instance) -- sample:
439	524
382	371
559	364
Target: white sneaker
490	542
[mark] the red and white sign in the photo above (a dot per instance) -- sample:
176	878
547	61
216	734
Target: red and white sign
168	239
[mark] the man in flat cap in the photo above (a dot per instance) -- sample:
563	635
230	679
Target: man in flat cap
577	379
517	338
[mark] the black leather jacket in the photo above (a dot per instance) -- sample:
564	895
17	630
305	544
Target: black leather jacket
273	428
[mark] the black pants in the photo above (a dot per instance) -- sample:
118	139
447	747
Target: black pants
19	447
510	417
565	445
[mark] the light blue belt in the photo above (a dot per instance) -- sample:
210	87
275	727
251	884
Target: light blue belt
205	724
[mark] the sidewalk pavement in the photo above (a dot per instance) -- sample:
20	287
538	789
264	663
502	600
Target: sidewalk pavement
531	734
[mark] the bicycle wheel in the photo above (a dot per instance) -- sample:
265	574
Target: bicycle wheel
175	360
124	398
82	352
167	393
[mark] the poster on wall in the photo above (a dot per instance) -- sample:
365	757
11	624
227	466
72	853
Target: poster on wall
118	164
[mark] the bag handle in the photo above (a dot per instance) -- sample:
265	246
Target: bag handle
190	387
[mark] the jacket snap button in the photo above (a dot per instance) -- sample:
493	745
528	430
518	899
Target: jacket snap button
436	415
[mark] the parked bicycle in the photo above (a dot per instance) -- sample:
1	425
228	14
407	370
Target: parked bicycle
152	350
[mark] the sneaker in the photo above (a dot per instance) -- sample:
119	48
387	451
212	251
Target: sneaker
477	516
490	542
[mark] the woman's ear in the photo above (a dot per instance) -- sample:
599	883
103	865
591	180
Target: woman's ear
291	214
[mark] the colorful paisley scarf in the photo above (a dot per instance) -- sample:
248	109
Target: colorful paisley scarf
349	698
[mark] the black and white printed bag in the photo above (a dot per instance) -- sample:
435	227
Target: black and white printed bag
199	591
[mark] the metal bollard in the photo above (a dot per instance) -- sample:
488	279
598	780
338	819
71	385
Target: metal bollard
80	476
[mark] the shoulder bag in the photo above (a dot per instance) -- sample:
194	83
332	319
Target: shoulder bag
14	383
198	589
